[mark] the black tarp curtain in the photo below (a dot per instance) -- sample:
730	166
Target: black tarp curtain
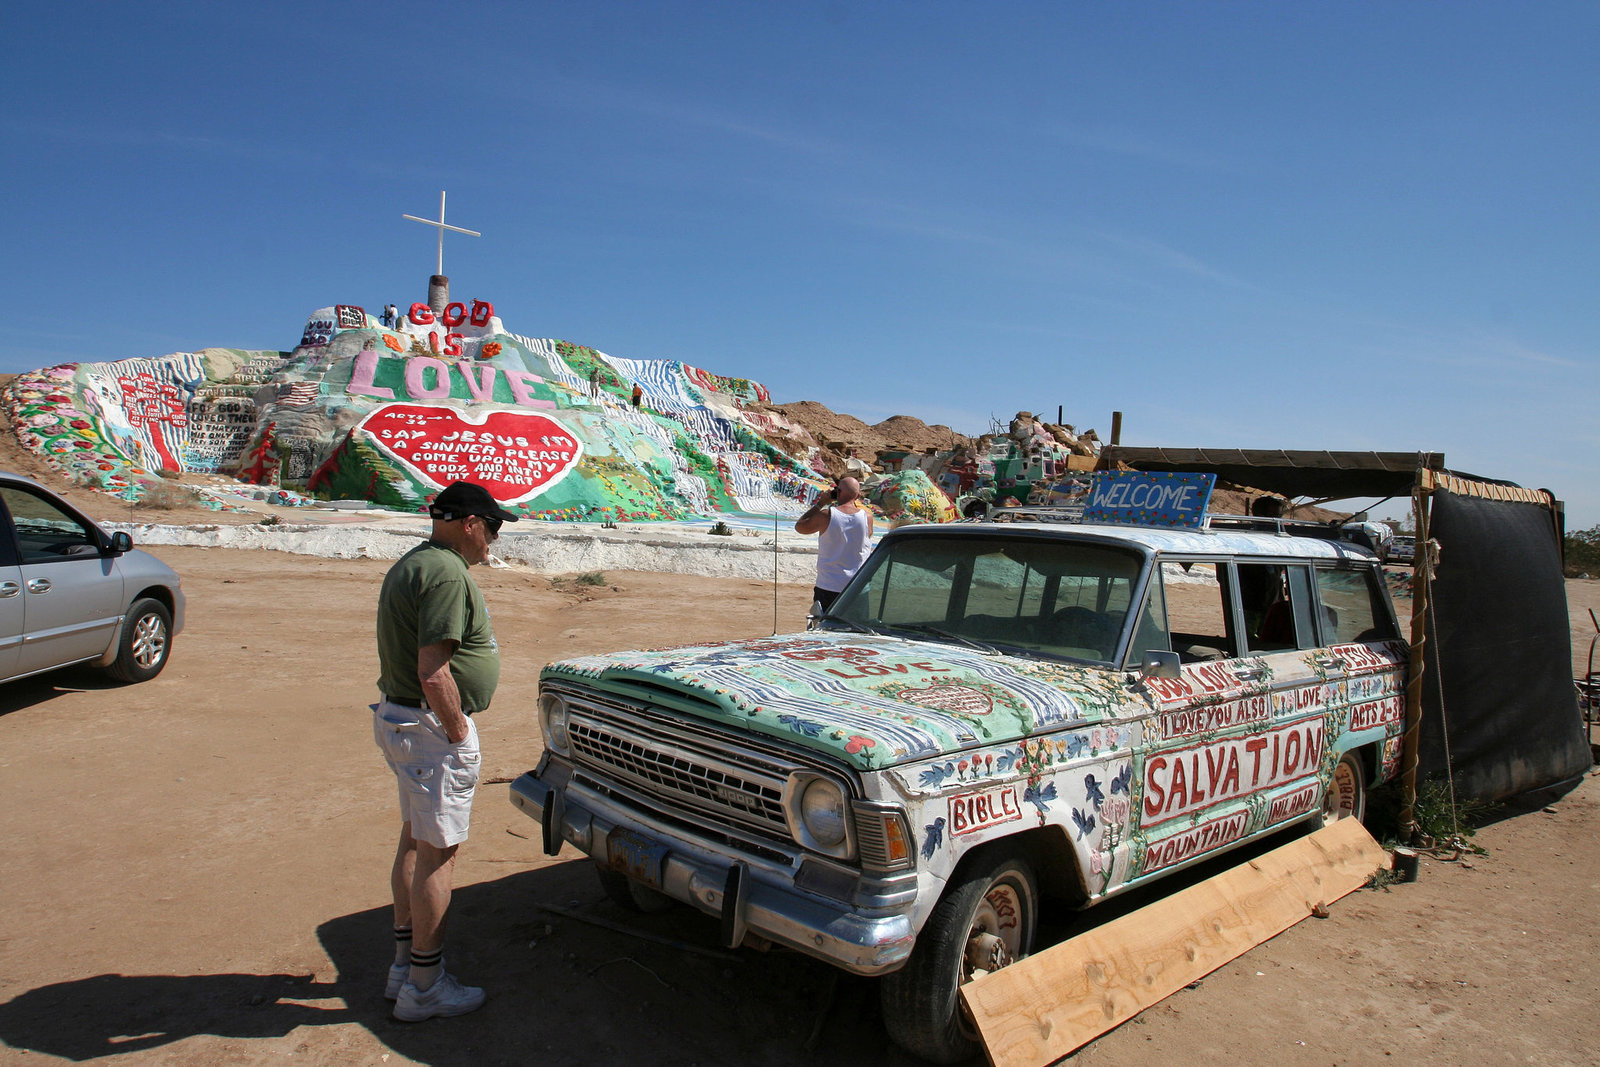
1499	709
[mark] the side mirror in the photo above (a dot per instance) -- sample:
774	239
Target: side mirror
814	616
121	542
1160	665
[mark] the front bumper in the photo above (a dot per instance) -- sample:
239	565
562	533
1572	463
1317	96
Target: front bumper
865	934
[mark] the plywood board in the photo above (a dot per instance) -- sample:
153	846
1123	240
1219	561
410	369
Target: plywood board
1041	1008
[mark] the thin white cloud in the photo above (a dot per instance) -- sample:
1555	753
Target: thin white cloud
1124	142
105	136
660	106
1169	258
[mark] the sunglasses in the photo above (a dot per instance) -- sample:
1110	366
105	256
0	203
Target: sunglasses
492	525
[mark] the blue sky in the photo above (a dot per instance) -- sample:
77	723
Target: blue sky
1289	225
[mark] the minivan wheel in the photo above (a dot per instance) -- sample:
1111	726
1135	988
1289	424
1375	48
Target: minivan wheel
986	920
146	642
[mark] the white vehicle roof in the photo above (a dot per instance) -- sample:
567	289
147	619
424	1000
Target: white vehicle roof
1161	540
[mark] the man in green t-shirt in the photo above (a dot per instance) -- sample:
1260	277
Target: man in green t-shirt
438	665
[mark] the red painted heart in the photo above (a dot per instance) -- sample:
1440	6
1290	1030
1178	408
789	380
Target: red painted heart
513	454
957	699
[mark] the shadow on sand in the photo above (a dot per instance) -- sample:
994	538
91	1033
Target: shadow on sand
560	991
39	688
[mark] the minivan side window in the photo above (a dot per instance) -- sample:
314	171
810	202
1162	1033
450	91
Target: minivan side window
45	533
1352	608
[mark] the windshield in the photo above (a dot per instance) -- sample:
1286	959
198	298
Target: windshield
1048	596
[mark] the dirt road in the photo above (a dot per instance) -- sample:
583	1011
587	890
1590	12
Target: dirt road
196	874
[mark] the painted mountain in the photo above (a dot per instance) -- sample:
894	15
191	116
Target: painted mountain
392	412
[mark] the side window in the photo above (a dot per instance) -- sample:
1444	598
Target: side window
1351	606
1151	633
1197	610
1276	601
45	533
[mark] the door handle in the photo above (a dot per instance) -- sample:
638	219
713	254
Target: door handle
38	585
1336	663
9	589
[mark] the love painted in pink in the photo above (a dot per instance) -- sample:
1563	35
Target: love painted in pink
513	454
479	380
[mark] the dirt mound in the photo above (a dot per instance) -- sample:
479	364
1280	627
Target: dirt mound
837	434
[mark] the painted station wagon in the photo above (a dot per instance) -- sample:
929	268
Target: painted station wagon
993	720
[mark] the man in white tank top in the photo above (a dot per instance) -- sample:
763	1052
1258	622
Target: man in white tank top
846	528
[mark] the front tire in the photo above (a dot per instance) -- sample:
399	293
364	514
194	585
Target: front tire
1346	797
984	921
146	642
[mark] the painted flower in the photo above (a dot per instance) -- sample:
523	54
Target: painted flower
42	420
393	342
857	743
490	350
81	424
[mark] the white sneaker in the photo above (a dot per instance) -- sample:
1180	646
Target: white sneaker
445	997
398	973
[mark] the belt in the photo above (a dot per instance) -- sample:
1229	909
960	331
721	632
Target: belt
422	706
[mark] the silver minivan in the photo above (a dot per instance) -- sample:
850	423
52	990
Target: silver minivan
72	593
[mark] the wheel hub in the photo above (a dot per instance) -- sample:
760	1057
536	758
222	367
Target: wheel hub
985	953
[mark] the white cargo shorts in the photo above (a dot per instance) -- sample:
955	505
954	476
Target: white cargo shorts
436	779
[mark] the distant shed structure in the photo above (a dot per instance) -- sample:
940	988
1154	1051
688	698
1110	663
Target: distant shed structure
1490	700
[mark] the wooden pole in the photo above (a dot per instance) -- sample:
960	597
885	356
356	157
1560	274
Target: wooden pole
1116	427
1421	590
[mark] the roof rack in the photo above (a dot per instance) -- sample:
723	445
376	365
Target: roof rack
1340	530
1069	513
1272	524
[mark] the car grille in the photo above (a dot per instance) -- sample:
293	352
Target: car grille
694	769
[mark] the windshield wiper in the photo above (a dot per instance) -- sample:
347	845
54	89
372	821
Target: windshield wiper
849	624
947	635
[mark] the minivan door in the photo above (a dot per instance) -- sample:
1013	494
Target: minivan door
71	593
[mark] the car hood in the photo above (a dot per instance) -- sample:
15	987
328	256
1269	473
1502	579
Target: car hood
869	700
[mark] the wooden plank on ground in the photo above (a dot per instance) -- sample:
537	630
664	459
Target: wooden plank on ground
1039	1009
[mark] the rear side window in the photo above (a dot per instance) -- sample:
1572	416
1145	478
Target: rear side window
1276	601
1353	607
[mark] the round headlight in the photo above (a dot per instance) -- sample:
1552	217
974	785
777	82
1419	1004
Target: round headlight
822	812
553	710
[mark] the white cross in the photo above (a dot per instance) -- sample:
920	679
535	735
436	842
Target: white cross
442	228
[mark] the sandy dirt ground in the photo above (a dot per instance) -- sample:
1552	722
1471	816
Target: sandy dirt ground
196	874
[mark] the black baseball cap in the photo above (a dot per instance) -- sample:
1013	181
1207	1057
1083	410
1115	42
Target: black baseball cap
459	499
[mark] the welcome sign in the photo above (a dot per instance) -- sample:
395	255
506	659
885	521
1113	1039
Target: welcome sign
1149	498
